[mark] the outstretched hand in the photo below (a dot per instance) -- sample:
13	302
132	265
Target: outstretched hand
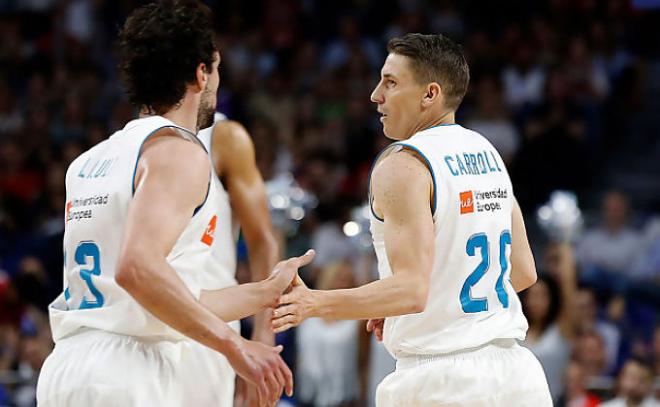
294	307
285	274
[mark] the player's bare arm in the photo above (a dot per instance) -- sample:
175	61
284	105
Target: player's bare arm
145	274
401	188
255	297
234	160
523	268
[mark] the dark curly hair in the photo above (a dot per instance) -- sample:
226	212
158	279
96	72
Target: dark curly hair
161	45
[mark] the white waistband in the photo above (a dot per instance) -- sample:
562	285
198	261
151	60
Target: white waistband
497	345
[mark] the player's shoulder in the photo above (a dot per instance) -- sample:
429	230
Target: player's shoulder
400	167
173	145
231	142
232	133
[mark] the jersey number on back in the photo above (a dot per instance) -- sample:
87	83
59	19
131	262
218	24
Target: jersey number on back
88	258
480	241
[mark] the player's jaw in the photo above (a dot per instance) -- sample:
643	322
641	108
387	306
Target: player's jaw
206	110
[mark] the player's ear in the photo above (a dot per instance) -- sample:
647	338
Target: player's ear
433	93
202	77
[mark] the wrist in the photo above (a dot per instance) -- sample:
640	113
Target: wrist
268	294
315	308
261	331
231	346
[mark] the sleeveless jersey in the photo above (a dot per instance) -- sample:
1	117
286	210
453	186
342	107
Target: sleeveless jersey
223	250
99	188
471	301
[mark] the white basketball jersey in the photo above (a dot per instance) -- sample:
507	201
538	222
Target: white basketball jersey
99	188
471	301
223	249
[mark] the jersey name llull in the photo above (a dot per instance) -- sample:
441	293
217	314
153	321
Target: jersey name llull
99	169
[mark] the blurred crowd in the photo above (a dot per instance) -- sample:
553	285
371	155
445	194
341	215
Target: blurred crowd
568	91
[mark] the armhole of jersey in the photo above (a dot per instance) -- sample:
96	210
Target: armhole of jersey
434	204
208	188
139	154
371	171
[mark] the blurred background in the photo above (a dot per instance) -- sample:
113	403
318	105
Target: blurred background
568	91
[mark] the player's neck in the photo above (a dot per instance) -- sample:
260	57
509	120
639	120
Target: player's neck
182	114
443	119
435	120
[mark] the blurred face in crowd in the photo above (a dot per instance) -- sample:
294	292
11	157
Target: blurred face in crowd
399	97
635	381
590	352
615	210
574	380
585	308
537	301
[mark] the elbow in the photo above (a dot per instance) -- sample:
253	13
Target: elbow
418	296
528	276
128	274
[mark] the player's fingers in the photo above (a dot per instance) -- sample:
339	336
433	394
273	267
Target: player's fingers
289	297
303	260
283	328
279	376
288	378
370	325
261	388
281	379
379	334
240	393
286	319
283	310
274	389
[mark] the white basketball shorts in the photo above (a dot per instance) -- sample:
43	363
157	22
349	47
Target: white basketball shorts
97	368
499	374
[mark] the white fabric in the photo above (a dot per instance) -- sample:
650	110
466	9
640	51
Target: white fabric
462	163
102	369
207	378
99	186
498	374
210	378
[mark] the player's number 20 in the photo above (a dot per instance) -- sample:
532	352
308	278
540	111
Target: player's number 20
480	241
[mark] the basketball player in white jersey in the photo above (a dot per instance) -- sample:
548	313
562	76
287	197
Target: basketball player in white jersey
140	218
451	245
241	201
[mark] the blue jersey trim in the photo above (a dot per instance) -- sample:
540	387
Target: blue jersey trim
208	188
137	159
428	164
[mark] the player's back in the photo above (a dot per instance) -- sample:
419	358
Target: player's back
99	187
471	301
